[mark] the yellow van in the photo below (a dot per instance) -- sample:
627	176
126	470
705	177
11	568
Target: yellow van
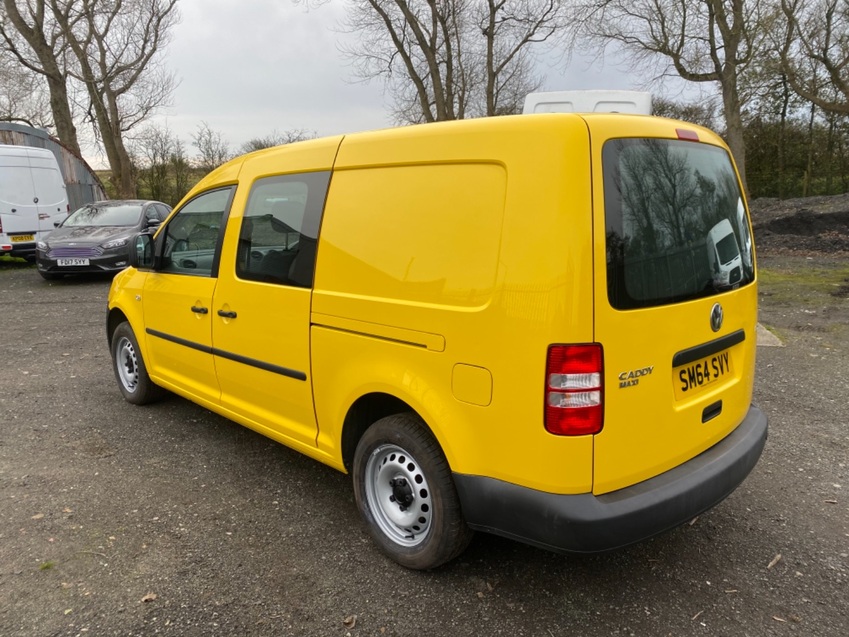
508	324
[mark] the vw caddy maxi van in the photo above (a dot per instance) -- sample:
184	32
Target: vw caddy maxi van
33	198
507	324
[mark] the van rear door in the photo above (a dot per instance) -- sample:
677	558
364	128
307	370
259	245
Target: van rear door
677	324
17	210
50	191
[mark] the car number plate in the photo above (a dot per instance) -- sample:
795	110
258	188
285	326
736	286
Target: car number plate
71	262
689	379
20	238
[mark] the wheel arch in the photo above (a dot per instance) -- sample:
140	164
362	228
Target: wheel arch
364	412
113	319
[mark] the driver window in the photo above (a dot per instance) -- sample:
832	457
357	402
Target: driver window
193	235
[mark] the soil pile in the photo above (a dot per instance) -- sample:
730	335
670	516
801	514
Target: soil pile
809	226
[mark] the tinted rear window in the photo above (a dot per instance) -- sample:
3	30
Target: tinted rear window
676	225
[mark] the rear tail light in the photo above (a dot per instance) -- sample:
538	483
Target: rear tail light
574	389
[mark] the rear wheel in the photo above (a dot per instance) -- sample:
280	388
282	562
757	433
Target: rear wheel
404	490
130	369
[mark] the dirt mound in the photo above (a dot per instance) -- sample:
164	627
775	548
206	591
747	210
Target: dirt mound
815	225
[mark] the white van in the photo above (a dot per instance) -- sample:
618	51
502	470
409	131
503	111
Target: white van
33	198
724	255
631	102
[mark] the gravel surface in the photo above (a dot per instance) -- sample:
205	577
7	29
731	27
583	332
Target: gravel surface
169	520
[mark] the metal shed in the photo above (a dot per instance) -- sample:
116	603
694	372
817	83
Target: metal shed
83	185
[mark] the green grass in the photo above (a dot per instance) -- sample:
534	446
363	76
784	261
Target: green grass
803	283
12	263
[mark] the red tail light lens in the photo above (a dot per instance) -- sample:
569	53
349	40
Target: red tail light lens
687	135
574	389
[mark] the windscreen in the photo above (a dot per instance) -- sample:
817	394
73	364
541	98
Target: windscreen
676	226
109	215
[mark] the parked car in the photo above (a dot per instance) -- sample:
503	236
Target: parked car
499	324
97	237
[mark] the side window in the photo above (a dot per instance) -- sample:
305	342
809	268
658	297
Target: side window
162	211
150	214
191	240
279	233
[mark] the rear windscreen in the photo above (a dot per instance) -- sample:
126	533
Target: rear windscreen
676	226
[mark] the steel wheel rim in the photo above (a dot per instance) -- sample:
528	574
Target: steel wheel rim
405	518
127	363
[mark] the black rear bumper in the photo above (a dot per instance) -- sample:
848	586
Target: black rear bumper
21	250
585	523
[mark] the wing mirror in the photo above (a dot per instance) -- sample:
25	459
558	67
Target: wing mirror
142	252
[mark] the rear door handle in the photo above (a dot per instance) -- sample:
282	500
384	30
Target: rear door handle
226	314
199	310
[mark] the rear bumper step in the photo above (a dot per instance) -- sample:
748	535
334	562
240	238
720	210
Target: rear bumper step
585	523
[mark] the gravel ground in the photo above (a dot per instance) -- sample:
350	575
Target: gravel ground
168	520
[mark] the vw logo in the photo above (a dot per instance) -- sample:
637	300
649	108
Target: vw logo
716	317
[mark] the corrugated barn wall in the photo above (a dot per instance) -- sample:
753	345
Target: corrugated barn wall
82	184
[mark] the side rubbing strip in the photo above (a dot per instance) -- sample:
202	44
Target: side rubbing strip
275	369
693	354
180	341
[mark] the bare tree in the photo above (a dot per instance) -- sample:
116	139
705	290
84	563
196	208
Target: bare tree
181	172
699	40
449	59
414	47
23	95
118	46
30	33
213	149
155	146
815	51
509	29
276	139
703	113
164	169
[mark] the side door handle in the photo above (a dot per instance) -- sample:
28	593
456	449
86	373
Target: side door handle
226	314
199	310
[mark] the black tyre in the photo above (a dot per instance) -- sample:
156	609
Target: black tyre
50	276
405	493
130	369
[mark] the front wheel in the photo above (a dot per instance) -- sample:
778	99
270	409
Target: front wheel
130	369
405	493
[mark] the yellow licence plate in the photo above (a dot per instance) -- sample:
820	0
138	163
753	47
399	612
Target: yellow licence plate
20	238
689	379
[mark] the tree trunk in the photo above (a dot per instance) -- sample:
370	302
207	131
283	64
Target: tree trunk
734	127
829	154
124	177
806	187
62	118
782	131
56	82
489	34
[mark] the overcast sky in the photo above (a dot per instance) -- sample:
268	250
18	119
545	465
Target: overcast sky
249	67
